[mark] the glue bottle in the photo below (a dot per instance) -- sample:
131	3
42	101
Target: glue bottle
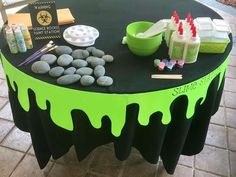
189	28
177	44
168	26
20	41
187	21
192	47
27	36
173	26
11	41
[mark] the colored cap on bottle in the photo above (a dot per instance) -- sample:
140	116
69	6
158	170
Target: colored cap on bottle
191	22
177	19
188	15
194	32
181	30
174	13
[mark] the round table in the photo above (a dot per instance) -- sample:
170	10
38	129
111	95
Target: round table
163	118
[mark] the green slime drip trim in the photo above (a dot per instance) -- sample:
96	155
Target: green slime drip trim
96	105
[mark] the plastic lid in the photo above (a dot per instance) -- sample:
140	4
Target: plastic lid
202	20
188	17
194	32
181	30
177	19
192	27
174	13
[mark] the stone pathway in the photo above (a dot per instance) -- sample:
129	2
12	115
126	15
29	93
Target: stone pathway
218	158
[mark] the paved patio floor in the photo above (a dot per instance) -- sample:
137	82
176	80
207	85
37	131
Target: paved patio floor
218	159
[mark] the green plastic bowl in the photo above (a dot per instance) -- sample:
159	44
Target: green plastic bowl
142	46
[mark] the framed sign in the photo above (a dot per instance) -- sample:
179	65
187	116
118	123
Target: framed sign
44	20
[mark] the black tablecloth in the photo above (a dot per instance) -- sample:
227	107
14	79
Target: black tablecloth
132	75
111	17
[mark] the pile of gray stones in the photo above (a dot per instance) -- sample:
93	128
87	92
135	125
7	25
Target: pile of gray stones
84	66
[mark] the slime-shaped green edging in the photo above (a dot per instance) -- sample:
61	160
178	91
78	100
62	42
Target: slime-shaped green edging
96	105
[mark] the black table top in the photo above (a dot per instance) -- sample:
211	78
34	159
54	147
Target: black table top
131	74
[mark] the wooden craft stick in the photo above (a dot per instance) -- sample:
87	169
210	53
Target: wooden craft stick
167	76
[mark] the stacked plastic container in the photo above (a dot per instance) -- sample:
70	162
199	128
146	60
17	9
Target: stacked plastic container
213	34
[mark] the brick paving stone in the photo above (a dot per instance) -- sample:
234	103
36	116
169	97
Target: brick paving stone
68	165
29	168
105	162
230	85
70	158
8	160
233	51
233	163
186	160
31	151
4	89
2	75
204	174
137	166
232	139
230	117
180	171
18	140
229	99
232	61
214	160
5	112
219	116
91	174
231	72
5	127
222	101
64	170
216	136
3	101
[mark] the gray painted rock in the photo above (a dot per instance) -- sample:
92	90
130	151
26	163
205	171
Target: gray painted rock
56	71
64	60
78	63
89	49
79	53
70	70
98	53
63	49
108	58
85	71
87	80
90	59
49	58
99	71
104	81
97	61
40	67
68	79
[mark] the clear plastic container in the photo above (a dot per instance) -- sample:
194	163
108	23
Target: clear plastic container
221	25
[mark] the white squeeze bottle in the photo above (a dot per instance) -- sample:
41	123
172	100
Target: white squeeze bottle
173	26
192	47
177	45
189	29
187	21
167	33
